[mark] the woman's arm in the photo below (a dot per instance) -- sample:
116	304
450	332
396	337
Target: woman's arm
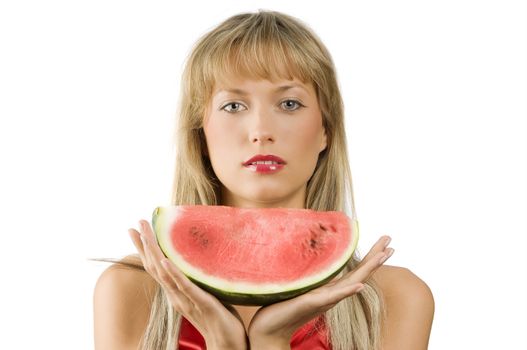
122	299
410	309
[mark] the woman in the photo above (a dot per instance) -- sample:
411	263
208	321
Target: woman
259	84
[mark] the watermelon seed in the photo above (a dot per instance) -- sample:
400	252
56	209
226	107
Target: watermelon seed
199	236
312	245
318	234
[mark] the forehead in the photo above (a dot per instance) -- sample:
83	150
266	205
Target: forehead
247	86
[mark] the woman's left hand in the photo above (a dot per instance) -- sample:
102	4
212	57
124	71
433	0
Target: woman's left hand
273	326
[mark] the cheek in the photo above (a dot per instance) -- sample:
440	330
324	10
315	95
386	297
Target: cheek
306	138
220	143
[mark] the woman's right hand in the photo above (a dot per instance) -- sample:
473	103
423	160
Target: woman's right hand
221	327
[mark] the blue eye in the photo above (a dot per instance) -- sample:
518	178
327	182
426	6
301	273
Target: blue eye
229	104
294	101
234	110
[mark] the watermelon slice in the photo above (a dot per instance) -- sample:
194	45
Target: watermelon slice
255	256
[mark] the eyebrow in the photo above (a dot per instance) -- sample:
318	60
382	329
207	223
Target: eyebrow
278	89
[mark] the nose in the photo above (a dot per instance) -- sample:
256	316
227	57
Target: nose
261	137
261	129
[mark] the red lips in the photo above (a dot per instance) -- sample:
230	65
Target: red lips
262	157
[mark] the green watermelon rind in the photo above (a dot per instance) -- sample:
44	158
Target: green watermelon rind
248	297
260	299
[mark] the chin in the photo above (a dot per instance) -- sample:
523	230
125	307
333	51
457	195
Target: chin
265	196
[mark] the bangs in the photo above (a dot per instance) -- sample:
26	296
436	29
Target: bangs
257	52
269	61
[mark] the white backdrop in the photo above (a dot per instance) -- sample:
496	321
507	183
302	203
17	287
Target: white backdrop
435	96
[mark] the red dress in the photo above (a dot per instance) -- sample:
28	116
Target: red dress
311	336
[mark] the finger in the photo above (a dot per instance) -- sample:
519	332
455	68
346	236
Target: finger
161	275
377	255
364	271
151	238
178	300
155	253
377	248
184	284
136	239
336	294
159	272
201	299
186	292
313	303
150	266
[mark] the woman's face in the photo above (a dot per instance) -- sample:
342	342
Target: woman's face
264	118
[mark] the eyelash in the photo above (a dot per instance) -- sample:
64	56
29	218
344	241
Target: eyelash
300	105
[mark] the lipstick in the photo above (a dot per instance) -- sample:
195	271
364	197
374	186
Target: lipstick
264	163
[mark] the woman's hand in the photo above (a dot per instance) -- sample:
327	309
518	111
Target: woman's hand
222	328
273	326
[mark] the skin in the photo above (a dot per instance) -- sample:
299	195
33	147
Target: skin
238	127
260	124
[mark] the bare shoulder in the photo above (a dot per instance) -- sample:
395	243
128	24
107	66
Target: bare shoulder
131	279
124	275
409	308
400	282
122	301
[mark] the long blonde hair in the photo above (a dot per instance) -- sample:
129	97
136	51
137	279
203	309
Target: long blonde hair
255	45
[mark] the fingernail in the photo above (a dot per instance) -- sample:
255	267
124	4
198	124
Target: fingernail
388	240
360	288
384	258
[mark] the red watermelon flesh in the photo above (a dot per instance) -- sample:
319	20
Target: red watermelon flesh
255	256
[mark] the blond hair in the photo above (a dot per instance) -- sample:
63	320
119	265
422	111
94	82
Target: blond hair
256	46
